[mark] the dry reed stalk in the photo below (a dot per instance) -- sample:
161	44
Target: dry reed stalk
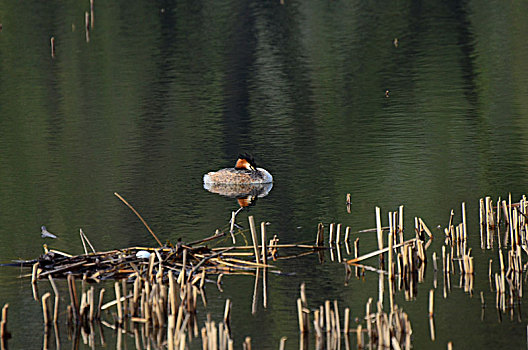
347	321
91	305
432	328
254	237
264	249
426	229
338	251
400	221
303	294
57	299
390	268
338	234
52	43
45	309
232	227
431	303
4	334
331	234
464	219
73	297
255	291
34	273
130	206
300	316
247	343
328	319
227	315
100	304
317	325
282	344
379	229
337	322
91	14
319	240
367	317
170	333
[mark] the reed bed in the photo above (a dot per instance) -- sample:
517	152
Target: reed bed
504	223
375	330
156	292
156	289
503	226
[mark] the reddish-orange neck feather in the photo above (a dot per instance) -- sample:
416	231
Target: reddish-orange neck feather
243	164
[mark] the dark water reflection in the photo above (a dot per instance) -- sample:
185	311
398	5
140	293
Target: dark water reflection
165	92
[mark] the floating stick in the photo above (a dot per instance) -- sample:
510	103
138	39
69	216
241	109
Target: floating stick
378	252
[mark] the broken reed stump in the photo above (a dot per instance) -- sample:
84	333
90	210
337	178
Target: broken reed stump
52	44
4	334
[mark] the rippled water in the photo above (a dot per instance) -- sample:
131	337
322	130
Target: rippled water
319	92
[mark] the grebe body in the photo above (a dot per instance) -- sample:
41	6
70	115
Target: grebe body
244	172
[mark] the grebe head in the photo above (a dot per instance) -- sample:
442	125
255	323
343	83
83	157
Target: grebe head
245	161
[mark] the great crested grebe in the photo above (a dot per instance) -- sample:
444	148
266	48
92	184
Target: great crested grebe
244	172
